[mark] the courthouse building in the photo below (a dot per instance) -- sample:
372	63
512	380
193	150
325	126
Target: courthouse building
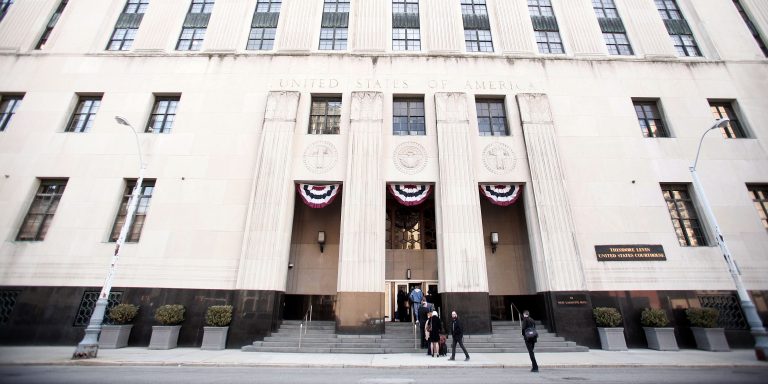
501	155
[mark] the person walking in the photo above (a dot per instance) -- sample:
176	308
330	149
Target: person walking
435	326
457	333
530	340
416	296
424	313
402	309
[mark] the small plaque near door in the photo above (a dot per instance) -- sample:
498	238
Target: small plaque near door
576	299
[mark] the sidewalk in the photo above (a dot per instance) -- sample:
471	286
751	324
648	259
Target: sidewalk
140	356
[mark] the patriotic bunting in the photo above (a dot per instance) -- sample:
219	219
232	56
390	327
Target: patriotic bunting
501	194
410	194
318	196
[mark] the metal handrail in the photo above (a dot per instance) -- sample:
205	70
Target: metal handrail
305	320
415	336
519	314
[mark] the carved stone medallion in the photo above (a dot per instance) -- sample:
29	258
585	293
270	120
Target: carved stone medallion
320	157
499	158
410	157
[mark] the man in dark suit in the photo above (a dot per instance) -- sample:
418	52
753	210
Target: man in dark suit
423	317
457	333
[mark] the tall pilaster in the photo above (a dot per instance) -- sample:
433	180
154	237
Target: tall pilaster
561	256
461	253
650	33
267	241
361	261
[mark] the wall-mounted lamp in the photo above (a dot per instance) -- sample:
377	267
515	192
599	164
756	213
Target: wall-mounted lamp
290	265
321	240
494	241
408	273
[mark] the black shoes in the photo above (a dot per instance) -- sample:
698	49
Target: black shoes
451	358
534	369
467	359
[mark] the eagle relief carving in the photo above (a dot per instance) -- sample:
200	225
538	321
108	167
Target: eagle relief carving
410	157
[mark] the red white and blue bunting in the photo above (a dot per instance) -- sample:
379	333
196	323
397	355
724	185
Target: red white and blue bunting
318	196
501	194
410	194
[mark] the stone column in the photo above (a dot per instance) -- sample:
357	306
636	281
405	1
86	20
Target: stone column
360	297
557	266
461	252
267	240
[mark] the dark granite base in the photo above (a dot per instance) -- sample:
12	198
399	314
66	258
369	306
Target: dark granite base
360	313
473	308
45	315
571	319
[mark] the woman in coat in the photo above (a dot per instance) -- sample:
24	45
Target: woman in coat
434	334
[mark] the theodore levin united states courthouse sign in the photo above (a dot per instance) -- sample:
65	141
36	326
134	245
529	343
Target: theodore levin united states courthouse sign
641	252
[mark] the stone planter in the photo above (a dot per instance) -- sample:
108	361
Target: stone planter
164	336
710	339
612	339
114	336
661	339
214	338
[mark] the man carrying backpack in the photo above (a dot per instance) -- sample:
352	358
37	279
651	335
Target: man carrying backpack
530	336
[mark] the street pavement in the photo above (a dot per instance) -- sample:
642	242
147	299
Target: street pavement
141	356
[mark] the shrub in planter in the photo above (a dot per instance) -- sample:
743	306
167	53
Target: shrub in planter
607	317
170	314
654	317
116	336
654	321
608	321
123	313
218	315
703	322
702	317
166	336
218	318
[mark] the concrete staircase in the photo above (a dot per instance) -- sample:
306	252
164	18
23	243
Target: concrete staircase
321	337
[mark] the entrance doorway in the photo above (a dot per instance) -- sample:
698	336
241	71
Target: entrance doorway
392	290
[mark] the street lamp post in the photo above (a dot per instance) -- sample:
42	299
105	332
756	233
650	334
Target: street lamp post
755	324
89	347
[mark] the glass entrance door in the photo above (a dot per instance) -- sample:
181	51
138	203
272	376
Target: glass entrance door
398	305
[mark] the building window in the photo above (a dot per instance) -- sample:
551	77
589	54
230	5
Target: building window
406	39
163	114
145	196
261	39
85	113
136	6
41	212
127	25
477	26
724	110
8	106
201	6
4	5
264	25
683	214
751	26
122	39
405	6
406	32
677	27
614	34
336	6
51	24
268	6
408	117
649	118
191	39
410	227
759	195
545	25
549	42
491	118
325	116
333	39
605	9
